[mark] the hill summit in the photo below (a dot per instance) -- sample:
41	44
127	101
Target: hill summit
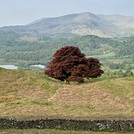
78	24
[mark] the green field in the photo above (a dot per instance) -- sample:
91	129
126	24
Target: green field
52	131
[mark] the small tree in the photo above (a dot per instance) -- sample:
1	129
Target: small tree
70	64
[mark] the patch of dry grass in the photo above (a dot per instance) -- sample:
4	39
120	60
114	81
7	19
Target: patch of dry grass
28	95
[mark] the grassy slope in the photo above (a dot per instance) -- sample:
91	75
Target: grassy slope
28	95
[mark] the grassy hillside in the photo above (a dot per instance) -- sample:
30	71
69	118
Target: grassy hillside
23	51
27	95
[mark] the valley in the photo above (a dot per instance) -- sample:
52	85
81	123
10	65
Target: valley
27	93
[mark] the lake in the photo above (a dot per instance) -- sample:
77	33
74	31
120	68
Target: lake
39	65
15	67
9	66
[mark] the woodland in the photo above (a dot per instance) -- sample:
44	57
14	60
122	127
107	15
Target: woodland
115	54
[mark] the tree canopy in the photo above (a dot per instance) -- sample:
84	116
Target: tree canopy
70	64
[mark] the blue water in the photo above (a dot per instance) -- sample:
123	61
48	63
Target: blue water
40	66
9	66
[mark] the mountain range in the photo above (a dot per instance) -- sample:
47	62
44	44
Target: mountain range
77	24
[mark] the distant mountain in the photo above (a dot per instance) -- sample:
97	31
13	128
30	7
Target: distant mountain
77	24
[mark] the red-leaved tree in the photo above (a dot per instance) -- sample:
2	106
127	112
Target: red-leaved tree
70	64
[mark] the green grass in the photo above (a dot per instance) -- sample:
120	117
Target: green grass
42	103
114	87
118	86
111	54
46	86
53	131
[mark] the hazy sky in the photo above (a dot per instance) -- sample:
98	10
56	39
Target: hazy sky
18	12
